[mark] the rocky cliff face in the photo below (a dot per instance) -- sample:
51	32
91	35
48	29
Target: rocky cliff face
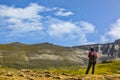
48	55
112	50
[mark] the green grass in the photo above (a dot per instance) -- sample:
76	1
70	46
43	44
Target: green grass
103	68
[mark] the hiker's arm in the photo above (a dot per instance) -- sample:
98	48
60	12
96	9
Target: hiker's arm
96	55
89	55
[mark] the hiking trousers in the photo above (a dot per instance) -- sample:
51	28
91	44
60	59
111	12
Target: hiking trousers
89	66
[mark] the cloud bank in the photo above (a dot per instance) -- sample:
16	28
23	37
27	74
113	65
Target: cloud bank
29	22
112	33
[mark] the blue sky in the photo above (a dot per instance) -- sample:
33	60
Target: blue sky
61	22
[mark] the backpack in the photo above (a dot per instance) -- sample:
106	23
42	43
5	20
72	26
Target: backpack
92	57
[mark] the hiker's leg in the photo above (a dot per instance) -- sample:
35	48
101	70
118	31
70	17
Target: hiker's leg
93	67
88	68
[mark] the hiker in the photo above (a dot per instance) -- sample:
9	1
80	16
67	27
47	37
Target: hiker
92	55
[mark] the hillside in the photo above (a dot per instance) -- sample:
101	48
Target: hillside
45	55
42	55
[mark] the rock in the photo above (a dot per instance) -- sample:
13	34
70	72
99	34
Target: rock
46	72
36	75
9	75
57	77
29	78
21	75
70	79
39	75
79	79
47	75
66	74
25	70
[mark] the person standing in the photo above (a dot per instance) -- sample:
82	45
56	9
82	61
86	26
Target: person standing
92	55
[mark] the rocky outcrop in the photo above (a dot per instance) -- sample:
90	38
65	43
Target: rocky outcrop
112	50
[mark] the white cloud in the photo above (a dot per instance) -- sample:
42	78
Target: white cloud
115	30
14	20
22	19
87	27
63	12
57	8
112	33
26	26
66	30
25	19
58	29
29	12
28	21
104	38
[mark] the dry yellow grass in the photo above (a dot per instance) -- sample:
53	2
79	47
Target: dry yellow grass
25	74
106	71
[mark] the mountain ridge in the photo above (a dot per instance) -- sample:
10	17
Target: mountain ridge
45	55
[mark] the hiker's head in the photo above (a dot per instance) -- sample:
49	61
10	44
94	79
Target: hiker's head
91	49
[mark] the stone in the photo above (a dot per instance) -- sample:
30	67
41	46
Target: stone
57	77
47	75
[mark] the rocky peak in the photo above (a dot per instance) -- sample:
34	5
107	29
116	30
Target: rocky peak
117	41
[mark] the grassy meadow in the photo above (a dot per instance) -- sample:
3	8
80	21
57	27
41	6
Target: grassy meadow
104	71
110	67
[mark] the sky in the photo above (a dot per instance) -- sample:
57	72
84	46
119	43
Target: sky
61	22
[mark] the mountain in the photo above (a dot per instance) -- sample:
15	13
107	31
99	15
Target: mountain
45	55
112	50
42	55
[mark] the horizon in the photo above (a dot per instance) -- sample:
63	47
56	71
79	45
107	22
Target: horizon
64	23
54	44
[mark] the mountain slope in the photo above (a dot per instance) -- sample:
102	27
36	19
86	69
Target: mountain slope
39	55
47	55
